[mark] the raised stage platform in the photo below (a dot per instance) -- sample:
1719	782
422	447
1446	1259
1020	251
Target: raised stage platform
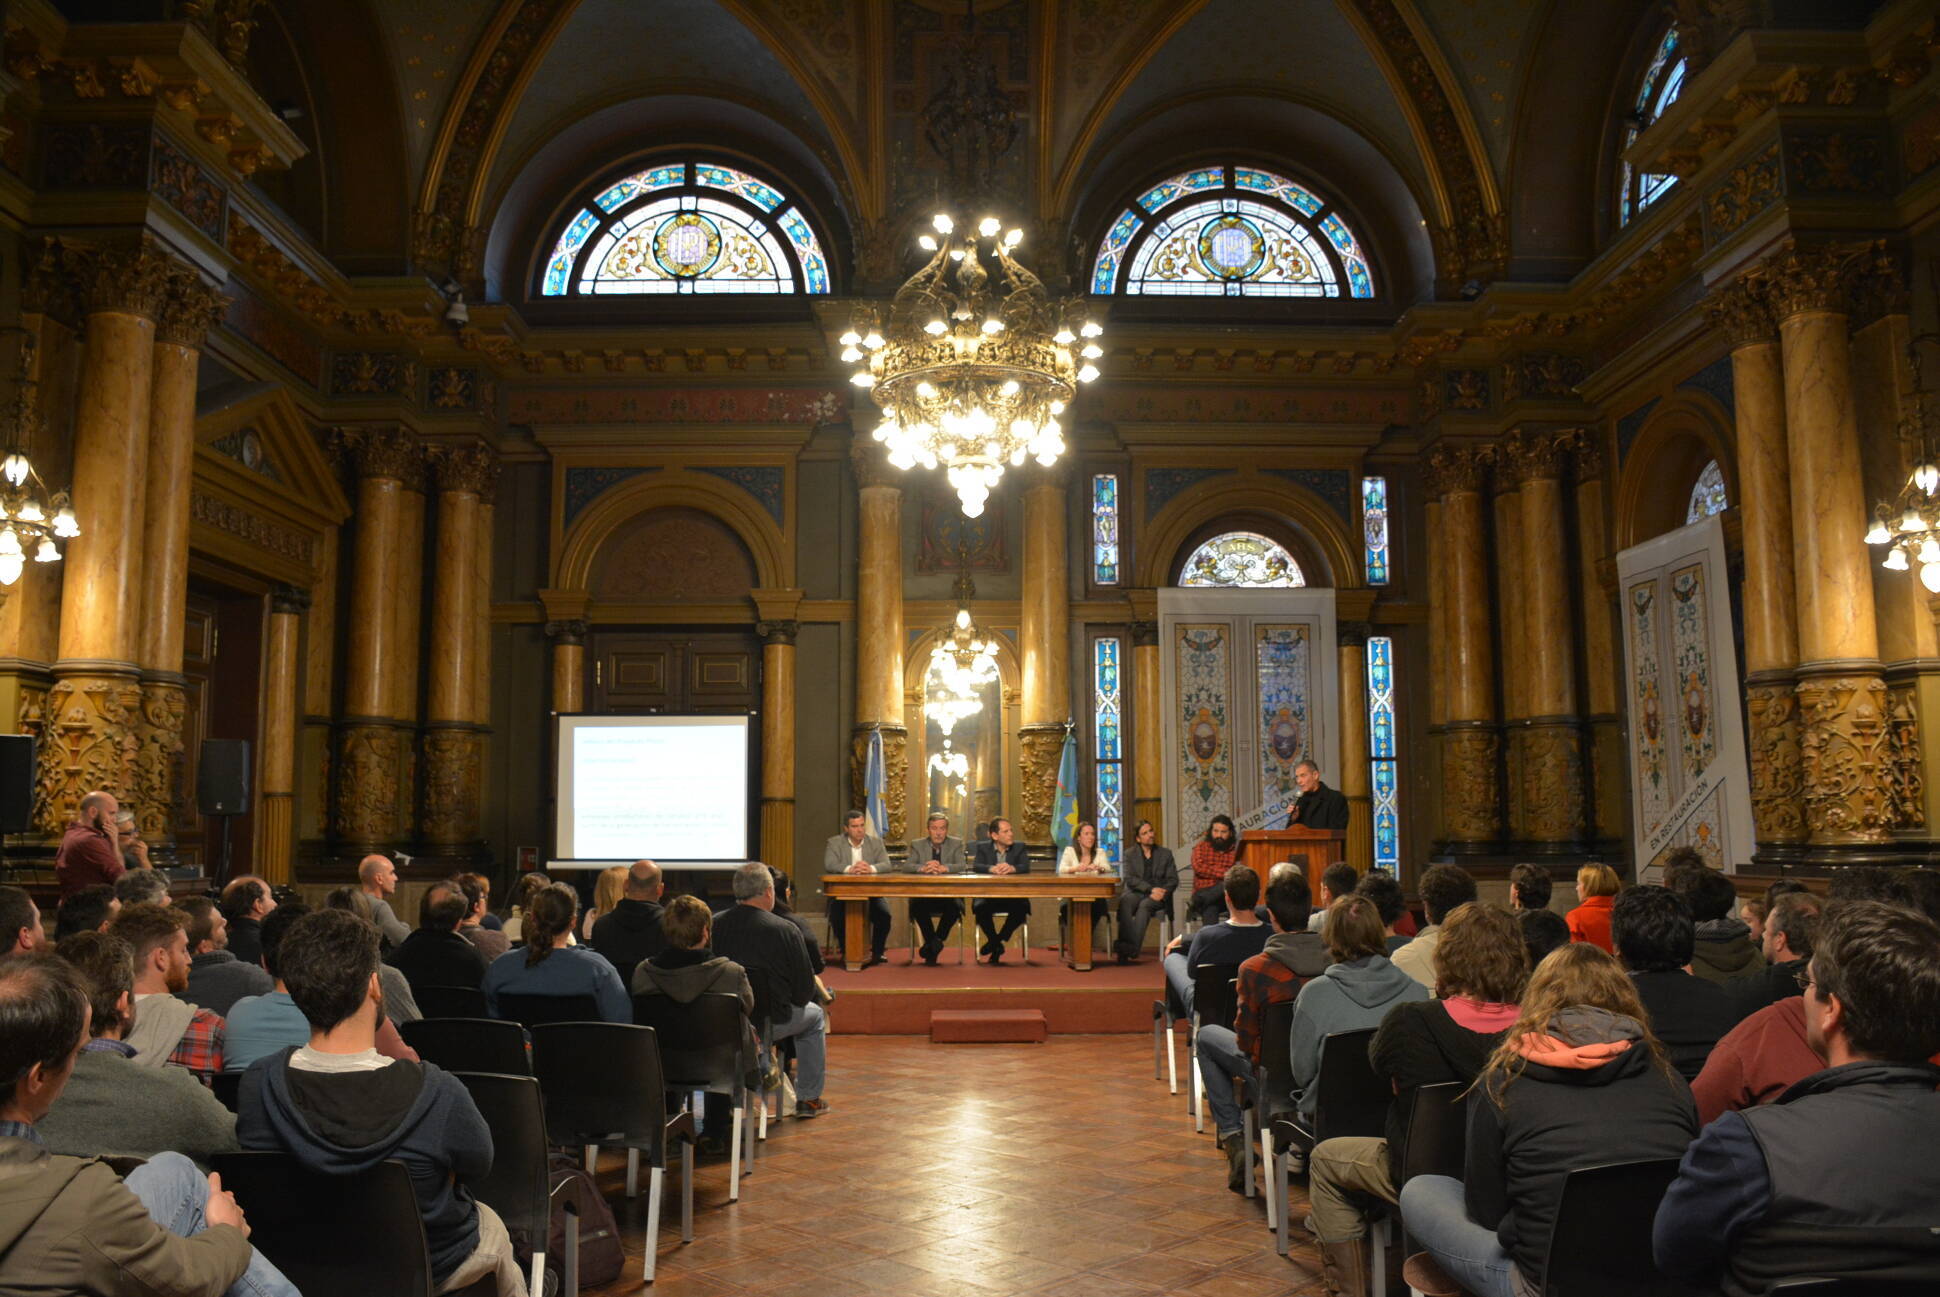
896	998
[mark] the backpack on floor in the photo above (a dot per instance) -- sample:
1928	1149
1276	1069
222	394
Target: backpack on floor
600	1256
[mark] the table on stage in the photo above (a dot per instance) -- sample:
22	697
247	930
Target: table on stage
1312	849
855	890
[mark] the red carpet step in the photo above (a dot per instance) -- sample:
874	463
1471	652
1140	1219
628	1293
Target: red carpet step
987	1026
897	998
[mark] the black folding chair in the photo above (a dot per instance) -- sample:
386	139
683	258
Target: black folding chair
450	1002
226	1086
603	1084
1348	1100
704	1046
1268	1092
1600	1245
540	1010
1215	1002
517	1187
469	1044
300	1218
1163	1020
1433	1143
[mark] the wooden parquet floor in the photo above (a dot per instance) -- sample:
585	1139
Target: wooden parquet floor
1057	1170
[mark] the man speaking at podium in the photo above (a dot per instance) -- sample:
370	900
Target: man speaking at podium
1318	806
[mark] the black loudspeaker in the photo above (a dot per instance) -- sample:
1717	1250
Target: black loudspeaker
16	783
222	777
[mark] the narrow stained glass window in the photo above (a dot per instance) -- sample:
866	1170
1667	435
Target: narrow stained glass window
1662	82
1107	744
1104	529
1242	558
1707	495
1380	732
1374	521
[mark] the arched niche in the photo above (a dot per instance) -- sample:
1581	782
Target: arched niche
1319	539
1683	434
1001	728
671	555
613	513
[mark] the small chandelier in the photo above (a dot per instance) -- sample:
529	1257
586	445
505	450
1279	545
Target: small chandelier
976	364
1909	528
963	661
30	518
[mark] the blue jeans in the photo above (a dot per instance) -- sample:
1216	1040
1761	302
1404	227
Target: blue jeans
808	1026
1180	978
175	1193
1219	1062
1436	1215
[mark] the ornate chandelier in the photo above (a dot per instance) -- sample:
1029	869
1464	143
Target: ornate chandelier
962	661
30	518
1909	528
976	363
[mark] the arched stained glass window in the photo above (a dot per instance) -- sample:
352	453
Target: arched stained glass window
1231	232
1707	495
1242	558
686	227
1662	82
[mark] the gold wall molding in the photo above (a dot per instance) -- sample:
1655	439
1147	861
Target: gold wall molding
453	766
1552	783
1041	747
1777	762
1471	810
1846	747
1906	793
89	739
370	761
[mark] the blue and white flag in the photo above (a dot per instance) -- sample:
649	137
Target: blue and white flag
1064	813
874	807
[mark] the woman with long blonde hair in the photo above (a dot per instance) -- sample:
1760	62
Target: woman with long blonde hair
607	891
1578	1080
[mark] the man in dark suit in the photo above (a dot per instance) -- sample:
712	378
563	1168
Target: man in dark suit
936	853
1147	877
436	955
1318	806
1001	854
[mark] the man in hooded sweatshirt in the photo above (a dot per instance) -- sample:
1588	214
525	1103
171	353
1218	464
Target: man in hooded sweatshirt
1274	976
340	1107
1355	992
1724	948
687	969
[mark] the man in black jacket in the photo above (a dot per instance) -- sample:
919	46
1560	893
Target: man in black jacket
1000	854
1318	806
437	954
1787	945
1837	1178
1652	930
1147	877
631	931
772	951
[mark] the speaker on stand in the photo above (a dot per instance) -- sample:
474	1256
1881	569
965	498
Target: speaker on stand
17	753
222	791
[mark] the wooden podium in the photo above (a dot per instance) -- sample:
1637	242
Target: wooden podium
1314	849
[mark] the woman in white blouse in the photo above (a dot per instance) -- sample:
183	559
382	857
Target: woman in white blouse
1084	857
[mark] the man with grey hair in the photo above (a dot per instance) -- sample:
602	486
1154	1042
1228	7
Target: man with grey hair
128	841
377	876
771	950
142	887
1318	806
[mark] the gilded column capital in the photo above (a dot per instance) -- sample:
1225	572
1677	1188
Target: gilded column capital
190	308
777	632
1533	455
289	600
1586	451
1455	467
871	465
566	632
1353	634
1820	278
1739	310
472	469
1145	634
385	450
131	278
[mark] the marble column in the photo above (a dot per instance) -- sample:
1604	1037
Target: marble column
879	631
91	731
1607	777
1471	751
453	737
189	310
778	741
407	607
372	739
1354	778
1551	744
313	805
276	799
1511	637
1429	770
1740	311
1844	735
568	665
1044	634
1148	728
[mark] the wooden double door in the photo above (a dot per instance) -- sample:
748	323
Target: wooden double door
703	672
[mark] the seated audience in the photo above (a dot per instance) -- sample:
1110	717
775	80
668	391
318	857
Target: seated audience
1529	887
524	888
1212	856
1596	892
260	1025
142	887
1480	968
1291	957
1787	944
490	922
339	1106
399	1004
437	954
1442	888
91	909
785	909
167	1030
1677	862
608	888
377	880
1688	1015
113	1106
73	1225
1724	947
245	903
1147	879
684	969
1390	906
1758	1060
20	929
128	841
1337	880
772	949
1542	932
1232	942
550	964
1836	1178
1920	889
1865	883
1578	1081
1355	991
631	932
481	926
217	979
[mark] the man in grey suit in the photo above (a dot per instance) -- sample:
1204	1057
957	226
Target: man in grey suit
1147	877
938	853
855	850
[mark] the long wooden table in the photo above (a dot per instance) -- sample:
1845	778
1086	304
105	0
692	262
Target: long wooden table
856	890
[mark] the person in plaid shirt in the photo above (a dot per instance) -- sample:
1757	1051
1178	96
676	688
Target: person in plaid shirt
167	1030
1212	856
1274	976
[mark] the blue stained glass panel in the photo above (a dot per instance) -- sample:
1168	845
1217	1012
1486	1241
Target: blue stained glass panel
1374	524
1107	742
622	192
739	183
1104	274
1167	191
1104	529
559	270
1381	749
1294	195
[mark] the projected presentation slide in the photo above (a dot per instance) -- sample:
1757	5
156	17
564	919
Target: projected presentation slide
668	788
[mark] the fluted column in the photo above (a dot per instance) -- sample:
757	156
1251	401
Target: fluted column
1354	777
1148	727
91	731
879	631
189	310
1551	745
453	737
1044	633
1471	753
1765	511
1842	698
1606	778
371	737
276	799
778	741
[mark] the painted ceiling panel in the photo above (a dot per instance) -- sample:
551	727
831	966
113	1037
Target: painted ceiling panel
430	44
1484	40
